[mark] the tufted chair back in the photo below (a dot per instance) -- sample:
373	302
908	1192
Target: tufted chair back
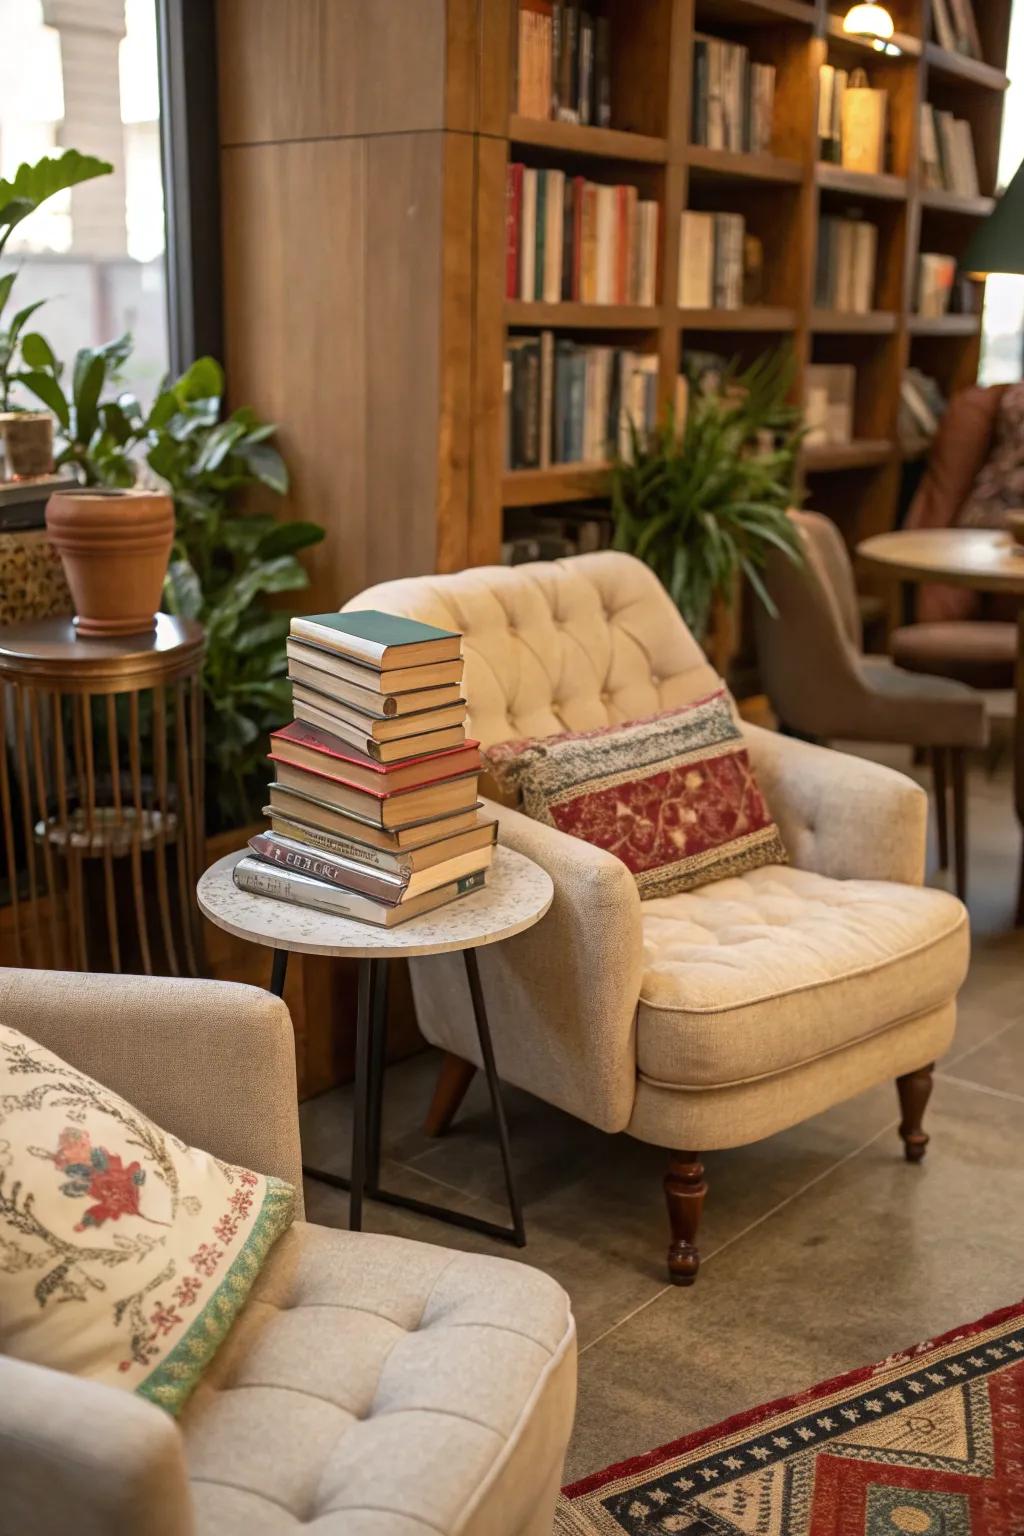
561	645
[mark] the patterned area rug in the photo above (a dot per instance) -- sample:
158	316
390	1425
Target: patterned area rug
927	1443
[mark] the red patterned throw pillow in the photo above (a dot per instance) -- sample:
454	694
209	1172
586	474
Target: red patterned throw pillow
673	796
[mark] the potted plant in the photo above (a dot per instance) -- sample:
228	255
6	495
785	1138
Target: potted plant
701	503
28	435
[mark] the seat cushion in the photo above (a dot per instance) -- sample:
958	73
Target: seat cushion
919	709
981	654
758	974
374	1385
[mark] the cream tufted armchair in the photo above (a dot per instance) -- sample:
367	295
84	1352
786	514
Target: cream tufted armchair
717	1017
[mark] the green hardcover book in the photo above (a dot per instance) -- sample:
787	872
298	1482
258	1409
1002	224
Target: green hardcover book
382	640
538	263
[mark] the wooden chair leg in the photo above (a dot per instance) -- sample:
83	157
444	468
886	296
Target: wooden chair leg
915	1089
684	1194
452	1085
938	755
958	757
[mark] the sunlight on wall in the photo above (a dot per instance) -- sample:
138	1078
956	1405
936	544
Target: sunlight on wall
1002	360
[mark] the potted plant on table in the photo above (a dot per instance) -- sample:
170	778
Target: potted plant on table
702	502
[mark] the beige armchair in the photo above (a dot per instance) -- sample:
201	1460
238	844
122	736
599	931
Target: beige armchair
370	1385
714	1018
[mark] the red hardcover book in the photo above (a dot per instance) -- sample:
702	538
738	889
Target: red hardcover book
578	187
307	746
513	225
621	244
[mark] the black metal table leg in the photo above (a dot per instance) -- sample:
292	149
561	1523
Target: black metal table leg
279	972
368	1093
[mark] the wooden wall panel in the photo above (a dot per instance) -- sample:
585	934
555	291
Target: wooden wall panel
303	69
332	269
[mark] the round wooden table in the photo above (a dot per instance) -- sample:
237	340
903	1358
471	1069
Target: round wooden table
101	769
983	559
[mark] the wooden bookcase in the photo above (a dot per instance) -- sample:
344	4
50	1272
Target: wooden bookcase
363	164
782	195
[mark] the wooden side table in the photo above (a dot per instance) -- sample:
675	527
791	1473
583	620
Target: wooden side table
101	796
517	895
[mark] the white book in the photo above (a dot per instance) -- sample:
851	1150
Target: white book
845	236
528	237
648	252
966	162
696	260
716	94
931	160
554	231
605	282
826	95
946	126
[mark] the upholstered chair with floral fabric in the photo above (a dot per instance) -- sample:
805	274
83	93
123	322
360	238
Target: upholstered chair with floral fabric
369	1384
715	1017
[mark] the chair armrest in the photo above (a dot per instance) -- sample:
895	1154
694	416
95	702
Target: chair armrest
80	1456
213	1062
840	815
561	997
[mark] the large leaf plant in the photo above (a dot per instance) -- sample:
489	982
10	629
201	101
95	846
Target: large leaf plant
26	191
227	560
702	504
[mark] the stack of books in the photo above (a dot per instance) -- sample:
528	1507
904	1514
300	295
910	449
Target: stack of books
831	399
852	120
956	28
847	261
733	99
373	808
713	260
567	402
936	277
564	63
948	162
573	239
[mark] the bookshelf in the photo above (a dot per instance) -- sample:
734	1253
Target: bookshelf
386	168
782	191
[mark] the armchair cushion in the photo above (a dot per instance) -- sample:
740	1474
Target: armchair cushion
126	1254
673	796
770	970
374	1384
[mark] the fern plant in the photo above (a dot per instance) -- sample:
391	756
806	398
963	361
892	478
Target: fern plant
702	505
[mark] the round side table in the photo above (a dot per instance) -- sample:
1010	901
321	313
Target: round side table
517	895
101	770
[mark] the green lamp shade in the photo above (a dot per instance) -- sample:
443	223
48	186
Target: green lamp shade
997	245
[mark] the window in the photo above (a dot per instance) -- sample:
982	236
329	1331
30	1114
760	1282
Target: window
96	253
1002	356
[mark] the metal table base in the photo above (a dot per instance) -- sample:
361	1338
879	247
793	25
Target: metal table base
363	1181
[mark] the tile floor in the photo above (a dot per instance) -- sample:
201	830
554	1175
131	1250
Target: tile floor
822	1249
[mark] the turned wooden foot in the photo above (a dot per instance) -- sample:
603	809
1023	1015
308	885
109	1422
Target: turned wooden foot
684	1194
452	1085
915	1089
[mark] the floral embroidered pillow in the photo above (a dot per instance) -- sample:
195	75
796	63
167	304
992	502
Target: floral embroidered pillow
125	1255
673	796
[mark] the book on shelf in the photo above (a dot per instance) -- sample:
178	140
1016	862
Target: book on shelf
733	100
864	112
569	239
567	402
956	28
922	404
832	83
374	771
948	161
829	409
564	63
261	878
936	276
846	265
380	640
713	254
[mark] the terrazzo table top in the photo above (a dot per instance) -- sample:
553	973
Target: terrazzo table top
517	895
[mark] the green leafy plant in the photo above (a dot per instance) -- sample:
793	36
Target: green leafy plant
227	560
702	505
29	188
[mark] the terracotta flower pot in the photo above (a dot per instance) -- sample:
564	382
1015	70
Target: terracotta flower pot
28	444
114	546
